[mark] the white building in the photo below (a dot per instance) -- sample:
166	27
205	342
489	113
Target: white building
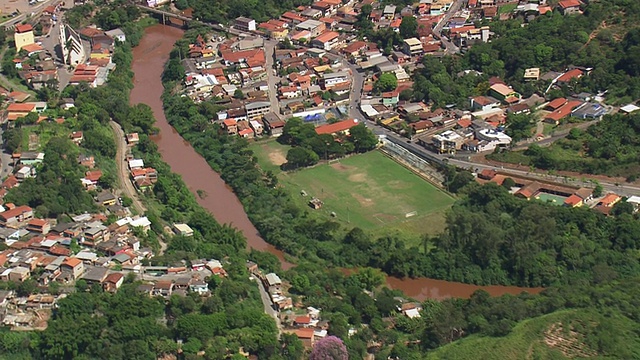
257	109
245	24
117	34
490	139
333	79
73	51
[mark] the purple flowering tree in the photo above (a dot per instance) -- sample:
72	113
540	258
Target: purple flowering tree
329	348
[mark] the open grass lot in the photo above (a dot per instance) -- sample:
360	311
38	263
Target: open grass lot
270	153
372	192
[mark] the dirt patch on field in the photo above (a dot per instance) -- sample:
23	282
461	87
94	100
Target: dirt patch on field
340	167
277	158
358	177
363	200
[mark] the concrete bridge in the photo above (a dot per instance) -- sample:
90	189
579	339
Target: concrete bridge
186	20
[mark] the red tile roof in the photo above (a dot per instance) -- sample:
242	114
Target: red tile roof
10	182
354	47
32	48
23	28
26	107
327	36
15	212
93	176
573	200
37	222
292	16
569	3
59	250
571	74
556	103
72	262
305	333
302	320
563	111
113	278
336	127
544	9
462	29
609	200
465	123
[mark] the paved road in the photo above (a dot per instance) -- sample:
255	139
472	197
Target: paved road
268	305
272	80
5	158
36	10
356	91
450	48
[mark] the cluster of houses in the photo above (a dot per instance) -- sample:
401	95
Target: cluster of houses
557	194
86	52
143	177
64	252
182	280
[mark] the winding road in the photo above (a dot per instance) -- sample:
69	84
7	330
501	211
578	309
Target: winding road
123	175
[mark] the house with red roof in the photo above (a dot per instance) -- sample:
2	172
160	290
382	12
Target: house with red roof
231	125
18	110
113	282
306	335
573	201
303	321
570	75
390	98
292	18
562	112
289	92
354	48
568	7
252	57
85	73
555	104
341	127
607	202
23	36
326	41
77	137
14	216
40	226
72	267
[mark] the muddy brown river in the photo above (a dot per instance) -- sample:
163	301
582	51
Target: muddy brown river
149	58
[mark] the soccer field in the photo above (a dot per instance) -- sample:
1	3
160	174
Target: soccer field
372	192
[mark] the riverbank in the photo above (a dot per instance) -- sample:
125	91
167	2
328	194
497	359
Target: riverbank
227	155
149	58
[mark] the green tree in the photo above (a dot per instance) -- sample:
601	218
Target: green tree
238	94
386	82
362	138
300	157
409	27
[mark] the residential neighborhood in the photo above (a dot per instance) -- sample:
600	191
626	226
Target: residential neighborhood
334	179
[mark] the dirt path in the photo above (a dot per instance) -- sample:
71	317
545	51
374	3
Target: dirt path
126	186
